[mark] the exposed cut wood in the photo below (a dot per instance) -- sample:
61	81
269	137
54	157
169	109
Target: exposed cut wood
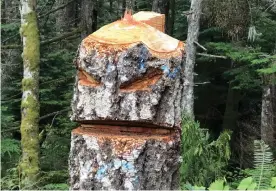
129	31
86	80
143	83
153	19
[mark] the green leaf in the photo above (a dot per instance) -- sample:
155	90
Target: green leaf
199	188
226	188
217	185
273	182
245	183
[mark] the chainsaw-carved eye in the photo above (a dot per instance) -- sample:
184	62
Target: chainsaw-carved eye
86	80
143	83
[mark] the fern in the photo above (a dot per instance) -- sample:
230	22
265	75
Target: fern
263	158
10	146
11	180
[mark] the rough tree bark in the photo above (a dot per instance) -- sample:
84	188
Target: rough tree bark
159	6
106	159
188	68
130	4
66	17
114	96
29	165
268	115
171	18
127	99
88	16
127	5
162	6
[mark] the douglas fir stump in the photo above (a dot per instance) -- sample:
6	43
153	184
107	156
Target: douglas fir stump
127	99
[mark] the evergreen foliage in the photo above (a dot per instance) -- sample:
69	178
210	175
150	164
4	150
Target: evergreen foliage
261	176
204	160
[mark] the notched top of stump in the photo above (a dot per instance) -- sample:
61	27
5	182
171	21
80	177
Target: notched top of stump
143	27
153	19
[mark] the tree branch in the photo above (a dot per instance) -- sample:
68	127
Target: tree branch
54	113
43	117
61	37
11	46
46	42
11	129
56	9
211	55
197	43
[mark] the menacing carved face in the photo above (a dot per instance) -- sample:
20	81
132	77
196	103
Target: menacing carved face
129	82
132	85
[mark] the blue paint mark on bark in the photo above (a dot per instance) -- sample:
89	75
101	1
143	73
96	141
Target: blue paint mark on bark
101	171
165	69
142	59
170	74
108	67
117	163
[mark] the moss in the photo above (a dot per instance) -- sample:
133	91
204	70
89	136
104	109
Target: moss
31	50
30	141
29	84
29	165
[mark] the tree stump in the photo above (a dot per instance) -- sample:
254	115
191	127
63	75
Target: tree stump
127	98
113	159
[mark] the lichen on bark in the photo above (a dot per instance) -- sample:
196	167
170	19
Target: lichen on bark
29	164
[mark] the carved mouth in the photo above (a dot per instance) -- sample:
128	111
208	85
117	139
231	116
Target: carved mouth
122	123
127	130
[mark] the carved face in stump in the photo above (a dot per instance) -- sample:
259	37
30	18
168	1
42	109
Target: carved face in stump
129	83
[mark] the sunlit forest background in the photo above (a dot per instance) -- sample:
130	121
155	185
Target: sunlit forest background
235	91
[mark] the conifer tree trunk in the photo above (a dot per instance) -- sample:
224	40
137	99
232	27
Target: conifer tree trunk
66	17
88	16
267	116
162	6
29	165
231	109
188	68
129	4
172	17
159	6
